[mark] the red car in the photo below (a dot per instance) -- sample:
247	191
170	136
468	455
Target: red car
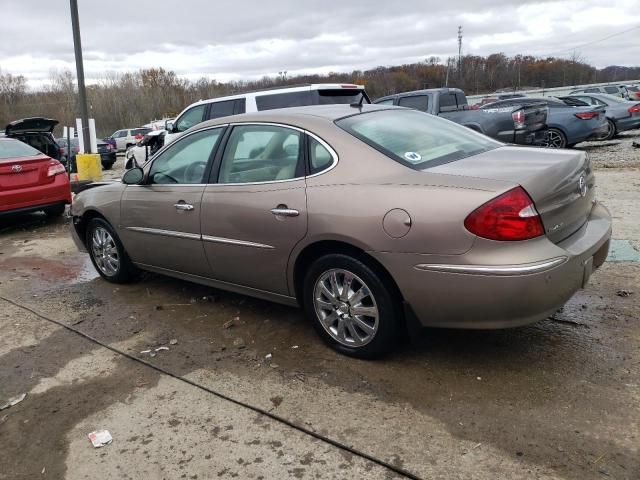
30	180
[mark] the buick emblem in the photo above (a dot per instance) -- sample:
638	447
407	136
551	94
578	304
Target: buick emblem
16	168
582	183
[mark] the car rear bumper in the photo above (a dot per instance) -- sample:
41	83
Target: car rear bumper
459	295
36	198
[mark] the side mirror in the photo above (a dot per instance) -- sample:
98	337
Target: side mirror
133	176
168	126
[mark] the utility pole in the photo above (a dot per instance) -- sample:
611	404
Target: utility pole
84	115
459	51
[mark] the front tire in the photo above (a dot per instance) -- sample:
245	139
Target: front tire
107	252
352	308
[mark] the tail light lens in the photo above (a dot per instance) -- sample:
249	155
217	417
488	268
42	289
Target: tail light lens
138	137
508	217
586	115
55	168
635	109
109	147
518	119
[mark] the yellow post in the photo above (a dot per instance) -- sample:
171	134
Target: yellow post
88	166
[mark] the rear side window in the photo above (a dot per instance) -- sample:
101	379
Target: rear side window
261	153
222	109
309	97
283	100
417	102
319	157
415	139
447	100
613	90
384	102
140	131
590	90
15	149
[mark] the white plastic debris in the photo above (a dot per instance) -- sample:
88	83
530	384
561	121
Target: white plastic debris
13	401
100	438
145	351
295	346
173	341
268	356
159	349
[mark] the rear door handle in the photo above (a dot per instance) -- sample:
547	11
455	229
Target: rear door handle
183	206
284	211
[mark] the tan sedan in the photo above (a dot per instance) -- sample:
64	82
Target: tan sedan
369	217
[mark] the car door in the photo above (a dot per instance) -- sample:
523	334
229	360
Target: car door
254	211
160	219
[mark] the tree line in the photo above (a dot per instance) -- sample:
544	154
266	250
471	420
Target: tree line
120	100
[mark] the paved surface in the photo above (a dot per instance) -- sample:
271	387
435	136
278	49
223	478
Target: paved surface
558	399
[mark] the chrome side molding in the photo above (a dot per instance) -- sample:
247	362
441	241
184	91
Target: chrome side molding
525	269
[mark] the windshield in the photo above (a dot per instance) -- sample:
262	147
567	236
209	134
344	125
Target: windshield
15	149
416	139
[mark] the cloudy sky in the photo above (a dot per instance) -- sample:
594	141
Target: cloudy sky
239	39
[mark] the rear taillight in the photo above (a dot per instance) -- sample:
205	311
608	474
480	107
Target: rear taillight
109	147
518	119
635	109
586	115
55	168
138	137
61	151
510	216
76	149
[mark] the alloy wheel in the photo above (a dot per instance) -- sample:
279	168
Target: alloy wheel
555	139
105	252
346	307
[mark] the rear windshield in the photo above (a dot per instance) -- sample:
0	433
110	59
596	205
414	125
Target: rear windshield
140	131
416	139
15	148
309	97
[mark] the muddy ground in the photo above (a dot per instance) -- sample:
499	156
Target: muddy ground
558	399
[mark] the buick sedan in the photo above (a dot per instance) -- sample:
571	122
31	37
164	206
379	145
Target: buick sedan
368	217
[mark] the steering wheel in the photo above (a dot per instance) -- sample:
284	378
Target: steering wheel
195	172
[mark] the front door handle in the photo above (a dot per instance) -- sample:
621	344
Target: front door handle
284	211
183	206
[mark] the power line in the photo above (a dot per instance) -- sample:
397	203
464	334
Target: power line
592	42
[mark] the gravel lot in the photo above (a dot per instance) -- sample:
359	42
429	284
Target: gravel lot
558	399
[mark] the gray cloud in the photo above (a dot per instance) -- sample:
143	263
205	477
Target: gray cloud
248	38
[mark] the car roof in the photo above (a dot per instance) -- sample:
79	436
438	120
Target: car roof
301	115
285	89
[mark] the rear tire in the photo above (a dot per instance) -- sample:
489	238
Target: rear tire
556	139
107	252
334	311
55	211
612	131
107	166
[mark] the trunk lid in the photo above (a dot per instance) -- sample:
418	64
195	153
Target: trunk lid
535	116
560	182
24	172
35	124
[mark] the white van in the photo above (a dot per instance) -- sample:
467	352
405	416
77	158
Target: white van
296	96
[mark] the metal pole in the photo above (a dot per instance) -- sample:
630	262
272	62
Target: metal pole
84	115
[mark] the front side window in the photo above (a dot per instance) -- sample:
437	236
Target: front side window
320	158
185	161
417	102
261	153
190	118
415	139
613	90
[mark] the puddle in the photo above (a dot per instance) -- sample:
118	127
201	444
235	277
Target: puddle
622	251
